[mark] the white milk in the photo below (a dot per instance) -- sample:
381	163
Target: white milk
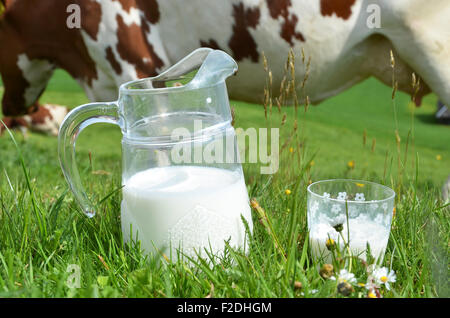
186	206
362	231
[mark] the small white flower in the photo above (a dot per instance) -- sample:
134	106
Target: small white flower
345	276
326	195
360	197
335	209
371	285
384	276
372	288
342	196
312	292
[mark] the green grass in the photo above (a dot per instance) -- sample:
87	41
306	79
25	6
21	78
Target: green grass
42	231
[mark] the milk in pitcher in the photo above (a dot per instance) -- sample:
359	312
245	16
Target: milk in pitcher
190	208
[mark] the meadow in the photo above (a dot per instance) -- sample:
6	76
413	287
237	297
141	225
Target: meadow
43	234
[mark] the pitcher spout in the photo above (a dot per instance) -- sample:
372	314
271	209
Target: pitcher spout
215	69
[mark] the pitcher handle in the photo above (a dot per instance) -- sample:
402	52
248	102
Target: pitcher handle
78	119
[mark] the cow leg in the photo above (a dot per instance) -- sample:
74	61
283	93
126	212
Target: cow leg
46	119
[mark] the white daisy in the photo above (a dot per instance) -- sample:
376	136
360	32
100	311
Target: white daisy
342	196
324	219
340	219
326	195
345	276
384	276
371	284
360	197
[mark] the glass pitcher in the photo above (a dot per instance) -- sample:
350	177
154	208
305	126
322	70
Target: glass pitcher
183	186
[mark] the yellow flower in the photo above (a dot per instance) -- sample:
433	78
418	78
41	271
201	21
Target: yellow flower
291	150
288	192
438	157
330	244
371	294
312	163
361	284
361	185
351	164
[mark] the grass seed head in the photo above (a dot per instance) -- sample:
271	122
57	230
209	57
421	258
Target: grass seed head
326	271
283	120
392	59
394	89
265	64
254	203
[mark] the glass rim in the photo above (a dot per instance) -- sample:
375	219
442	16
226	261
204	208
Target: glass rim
390	197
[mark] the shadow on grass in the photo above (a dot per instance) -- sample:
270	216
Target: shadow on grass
431	120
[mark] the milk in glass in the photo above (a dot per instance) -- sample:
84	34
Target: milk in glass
362	232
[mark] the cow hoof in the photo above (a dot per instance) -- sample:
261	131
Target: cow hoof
47	119
13	123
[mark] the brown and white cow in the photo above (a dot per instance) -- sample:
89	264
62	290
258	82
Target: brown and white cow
122	40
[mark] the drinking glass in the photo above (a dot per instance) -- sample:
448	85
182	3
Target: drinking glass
353	212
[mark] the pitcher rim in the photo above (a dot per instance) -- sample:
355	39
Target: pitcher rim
159	90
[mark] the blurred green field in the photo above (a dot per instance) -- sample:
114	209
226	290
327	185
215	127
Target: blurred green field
333	130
